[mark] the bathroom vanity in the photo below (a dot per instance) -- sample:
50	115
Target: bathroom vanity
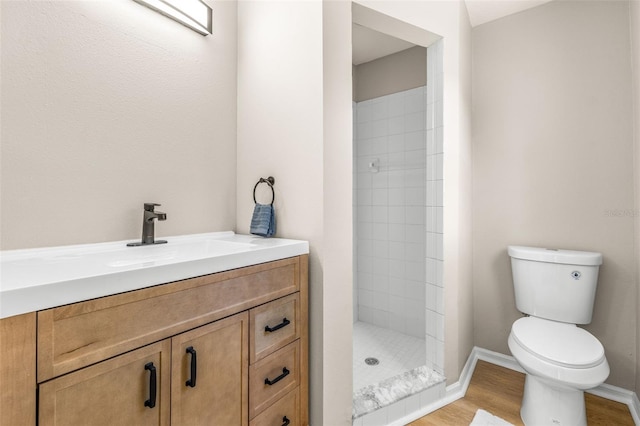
229	347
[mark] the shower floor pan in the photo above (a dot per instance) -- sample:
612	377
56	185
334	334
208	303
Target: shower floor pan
399	373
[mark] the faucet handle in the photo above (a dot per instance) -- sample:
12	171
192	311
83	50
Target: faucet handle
150	206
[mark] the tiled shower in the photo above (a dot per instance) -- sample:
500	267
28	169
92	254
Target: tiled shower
391	211
398	220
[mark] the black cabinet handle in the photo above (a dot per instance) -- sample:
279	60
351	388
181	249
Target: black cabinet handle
151	402
194	365
285	421
284	323
284	374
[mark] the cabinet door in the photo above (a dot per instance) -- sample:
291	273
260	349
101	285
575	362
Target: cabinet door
118	391
210	374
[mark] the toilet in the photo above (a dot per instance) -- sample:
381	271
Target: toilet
555	289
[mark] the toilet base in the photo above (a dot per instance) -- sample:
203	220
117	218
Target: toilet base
545	404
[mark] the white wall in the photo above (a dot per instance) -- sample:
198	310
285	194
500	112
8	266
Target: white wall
553	161
107	105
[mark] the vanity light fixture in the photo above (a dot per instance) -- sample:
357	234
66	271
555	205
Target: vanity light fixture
194	14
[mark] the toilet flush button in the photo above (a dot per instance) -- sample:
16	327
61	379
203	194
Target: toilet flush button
576	275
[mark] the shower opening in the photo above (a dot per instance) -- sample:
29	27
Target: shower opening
398	229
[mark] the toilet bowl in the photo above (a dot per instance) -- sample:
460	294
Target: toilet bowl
561	361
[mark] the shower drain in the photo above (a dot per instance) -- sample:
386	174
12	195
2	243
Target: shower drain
371	361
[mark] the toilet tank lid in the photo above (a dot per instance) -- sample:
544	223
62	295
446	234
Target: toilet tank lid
568	257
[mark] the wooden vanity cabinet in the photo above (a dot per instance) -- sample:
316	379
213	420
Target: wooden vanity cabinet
206	385
180	353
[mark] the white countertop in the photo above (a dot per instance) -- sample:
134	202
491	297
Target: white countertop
42	278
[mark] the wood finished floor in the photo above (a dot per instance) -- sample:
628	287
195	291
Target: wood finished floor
499	390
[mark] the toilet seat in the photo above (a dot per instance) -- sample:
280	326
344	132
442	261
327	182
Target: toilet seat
558	343
567	355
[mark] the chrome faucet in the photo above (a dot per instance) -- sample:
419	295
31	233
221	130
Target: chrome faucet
148	225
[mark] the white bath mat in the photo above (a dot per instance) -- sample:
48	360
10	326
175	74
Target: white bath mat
483	418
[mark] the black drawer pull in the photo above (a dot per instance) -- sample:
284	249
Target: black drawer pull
285	322
194	365
284	374
285	421
151	402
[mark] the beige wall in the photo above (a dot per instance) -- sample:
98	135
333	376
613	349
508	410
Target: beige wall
107	105
464	326
280	133
391	74
448	20
338	213
635	51
553	161
294	122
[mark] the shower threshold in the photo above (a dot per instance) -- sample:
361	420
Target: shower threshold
393	389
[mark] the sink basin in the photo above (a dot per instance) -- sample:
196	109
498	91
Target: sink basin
193	247
35	279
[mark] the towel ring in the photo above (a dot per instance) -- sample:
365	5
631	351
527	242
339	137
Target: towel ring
269	181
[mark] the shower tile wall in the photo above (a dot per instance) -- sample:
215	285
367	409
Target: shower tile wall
391	219
354	200
434	206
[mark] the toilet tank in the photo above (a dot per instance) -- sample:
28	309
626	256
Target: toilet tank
559	285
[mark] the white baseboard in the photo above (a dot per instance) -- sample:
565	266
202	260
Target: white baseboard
458	389
636	409
506	361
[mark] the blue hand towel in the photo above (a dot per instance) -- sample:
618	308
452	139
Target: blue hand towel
263	222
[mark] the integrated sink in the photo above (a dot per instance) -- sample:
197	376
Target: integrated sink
35	279
148	260
192	247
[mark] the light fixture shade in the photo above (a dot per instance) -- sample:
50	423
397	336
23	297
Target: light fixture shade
194	14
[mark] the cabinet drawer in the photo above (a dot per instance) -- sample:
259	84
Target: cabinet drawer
274	325
283	412
77	335
273	377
